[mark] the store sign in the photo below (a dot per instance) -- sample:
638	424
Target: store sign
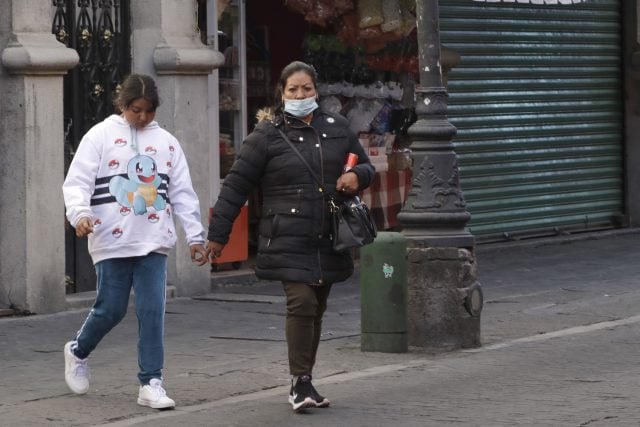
533	1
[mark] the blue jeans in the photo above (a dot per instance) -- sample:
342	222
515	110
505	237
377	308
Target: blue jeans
147	275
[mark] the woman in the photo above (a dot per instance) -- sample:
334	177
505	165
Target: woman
294	244
126	182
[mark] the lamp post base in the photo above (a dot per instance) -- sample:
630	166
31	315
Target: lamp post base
440	282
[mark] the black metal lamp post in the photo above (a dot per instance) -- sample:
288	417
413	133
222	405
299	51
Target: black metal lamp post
435	211
444	298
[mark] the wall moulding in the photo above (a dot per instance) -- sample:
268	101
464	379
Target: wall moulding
38	53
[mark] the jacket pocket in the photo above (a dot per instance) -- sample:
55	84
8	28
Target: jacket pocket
289	203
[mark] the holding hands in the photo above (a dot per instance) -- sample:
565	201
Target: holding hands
199	255
214	249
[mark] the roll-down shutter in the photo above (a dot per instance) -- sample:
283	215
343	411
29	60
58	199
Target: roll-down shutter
537	102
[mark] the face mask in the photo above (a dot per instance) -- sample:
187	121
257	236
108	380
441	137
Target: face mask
300	107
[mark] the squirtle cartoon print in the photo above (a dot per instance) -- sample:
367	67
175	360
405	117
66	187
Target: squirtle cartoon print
141	189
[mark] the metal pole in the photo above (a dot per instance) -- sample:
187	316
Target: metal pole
444	299
435	212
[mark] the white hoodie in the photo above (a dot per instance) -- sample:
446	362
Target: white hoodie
130	183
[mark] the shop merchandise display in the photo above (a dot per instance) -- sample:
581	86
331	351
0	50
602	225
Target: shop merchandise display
375	114
229	95
372	26
320	12
370	13
391	16
222	6
365	52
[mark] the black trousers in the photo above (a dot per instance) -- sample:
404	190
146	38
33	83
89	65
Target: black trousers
306	305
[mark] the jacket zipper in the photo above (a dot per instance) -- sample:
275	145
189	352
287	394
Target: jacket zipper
323	194
318	142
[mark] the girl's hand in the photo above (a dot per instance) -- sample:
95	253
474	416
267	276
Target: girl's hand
199	255
84	226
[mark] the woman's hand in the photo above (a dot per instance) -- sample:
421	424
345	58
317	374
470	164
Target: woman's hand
348	183
84	226
215	249
199	255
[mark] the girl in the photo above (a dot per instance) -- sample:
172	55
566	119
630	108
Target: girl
127	180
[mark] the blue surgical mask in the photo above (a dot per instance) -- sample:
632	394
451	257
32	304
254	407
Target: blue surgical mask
300	107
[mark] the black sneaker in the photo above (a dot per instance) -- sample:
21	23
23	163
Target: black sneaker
301	394
321	401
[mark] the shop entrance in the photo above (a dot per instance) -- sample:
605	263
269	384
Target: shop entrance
536	98
352	81
100	32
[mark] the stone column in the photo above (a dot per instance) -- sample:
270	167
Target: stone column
167	46
441	266
32	263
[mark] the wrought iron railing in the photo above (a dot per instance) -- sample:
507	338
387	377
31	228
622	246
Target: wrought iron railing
99	31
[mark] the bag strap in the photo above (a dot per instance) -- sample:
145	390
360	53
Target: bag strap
311	171
332	203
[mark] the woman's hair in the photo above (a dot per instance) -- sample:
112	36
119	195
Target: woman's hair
137	86
286	72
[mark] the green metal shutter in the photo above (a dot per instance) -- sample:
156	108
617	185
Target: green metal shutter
537	102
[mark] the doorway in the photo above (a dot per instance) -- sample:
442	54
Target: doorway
100	32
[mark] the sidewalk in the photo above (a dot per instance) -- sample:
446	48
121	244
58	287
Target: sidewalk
230	343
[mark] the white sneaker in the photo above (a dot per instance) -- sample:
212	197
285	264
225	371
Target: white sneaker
154	396
76	371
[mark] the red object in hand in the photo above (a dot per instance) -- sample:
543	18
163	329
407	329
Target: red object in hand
352	160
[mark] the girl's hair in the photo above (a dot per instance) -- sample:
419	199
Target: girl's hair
286	72
137	86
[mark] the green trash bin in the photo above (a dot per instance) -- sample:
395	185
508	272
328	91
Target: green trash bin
383	294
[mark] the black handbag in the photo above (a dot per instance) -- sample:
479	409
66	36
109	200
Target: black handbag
352	224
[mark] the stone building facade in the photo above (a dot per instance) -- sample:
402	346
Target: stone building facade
165	44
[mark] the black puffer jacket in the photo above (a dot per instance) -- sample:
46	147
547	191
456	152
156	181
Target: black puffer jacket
294	243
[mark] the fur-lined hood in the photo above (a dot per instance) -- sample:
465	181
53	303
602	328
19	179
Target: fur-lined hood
266	113
276	117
